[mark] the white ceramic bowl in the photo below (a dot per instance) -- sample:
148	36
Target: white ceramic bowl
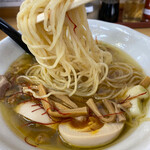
134	43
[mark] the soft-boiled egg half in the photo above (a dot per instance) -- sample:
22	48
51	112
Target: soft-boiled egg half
35	113
104	135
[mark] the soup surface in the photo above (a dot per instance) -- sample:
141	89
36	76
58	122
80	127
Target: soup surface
39	135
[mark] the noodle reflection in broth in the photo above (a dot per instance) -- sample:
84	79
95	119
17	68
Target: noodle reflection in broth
79	86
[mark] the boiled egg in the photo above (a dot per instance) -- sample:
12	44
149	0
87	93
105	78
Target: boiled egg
33	112
102	136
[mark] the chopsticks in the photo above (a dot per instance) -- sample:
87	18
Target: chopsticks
74	4
13	34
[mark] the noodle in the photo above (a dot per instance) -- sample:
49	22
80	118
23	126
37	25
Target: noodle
69	60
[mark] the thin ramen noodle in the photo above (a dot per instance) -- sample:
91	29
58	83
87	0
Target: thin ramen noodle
69	59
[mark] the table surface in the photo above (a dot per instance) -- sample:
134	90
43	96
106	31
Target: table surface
12	22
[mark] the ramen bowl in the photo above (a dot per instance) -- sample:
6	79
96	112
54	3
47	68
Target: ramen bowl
133	43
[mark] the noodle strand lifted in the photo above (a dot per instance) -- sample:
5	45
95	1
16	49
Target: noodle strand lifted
69	59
